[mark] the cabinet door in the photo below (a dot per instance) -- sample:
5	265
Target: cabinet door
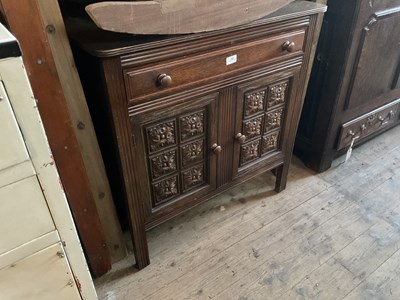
174	162
377	65
264	109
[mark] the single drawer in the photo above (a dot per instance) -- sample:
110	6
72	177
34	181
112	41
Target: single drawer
368	124
168	76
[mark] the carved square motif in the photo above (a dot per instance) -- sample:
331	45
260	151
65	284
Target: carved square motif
254	102
161	135
192	125
252	127
193	152
274	119
277	94
193	177
165	190
270	142
250	152
163	164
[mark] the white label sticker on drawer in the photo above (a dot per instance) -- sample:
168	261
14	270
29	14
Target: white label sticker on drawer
231	59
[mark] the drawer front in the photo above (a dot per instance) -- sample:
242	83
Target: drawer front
368	124
43	275
24	214
12	150
165	77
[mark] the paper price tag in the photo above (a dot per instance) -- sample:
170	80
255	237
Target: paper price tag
348	154
231	59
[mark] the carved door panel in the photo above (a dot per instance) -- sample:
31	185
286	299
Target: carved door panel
174	157
263	107
377	65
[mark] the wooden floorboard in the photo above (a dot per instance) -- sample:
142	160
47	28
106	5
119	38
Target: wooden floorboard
333	235
382	284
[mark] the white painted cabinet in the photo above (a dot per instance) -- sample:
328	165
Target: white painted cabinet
20	280
40	253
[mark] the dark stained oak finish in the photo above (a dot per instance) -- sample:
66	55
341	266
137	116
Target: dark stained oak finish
182	118
370	123
355	74
189	71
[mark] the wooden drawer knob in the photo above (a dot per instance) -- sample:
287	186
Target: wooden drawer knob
241	138
288	46
216	149
164	80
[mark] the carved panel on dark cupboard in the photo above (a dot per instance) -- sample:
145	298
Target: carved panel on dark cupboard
174	157
263	105
189	116
354	79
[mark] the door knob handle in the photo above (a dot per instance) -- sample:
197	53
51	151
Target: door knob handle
164	80
241	138
216	149
288	46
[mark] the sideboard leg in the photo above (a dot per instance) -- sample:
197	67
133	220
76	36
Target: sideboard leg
281	173
140	247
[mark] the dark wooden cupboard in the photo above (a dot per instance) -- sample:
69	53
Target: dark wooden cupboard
182	118
354	88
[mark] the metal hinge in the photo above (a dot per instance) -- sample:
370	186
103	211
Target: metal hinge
133	140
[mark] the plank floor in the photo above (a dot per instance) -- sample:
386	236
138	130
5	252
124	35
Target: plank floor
334	235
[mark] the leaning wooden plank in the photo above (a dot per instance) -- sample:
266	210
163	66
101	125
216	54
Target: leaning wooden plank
47	88
178	16
83	127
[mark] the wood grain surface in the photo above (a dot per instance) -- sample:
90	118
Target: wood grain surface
83	127
174	17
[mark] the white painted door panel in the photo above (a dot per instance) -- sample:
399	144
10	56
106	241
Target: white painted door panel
44	275
12	147
24	214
